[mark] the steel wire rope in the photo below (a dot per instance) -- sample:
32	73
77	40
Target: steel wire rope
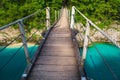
27	29
17	21
25	58
32	35
104	60
114	75
79	36
20	47
10	43
95	67
16	54
97	28
11	58
79	31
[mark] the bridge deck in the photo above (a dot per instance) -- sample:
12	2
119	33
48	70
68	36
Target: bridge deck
57	59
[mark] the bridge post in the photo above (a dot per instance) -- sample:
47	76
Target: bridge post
85	45
55	15
69	15
86	42
21	27
72	18
58	14
48	17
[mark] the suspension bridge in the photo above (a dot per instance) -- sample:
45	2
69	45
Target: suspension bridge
58	56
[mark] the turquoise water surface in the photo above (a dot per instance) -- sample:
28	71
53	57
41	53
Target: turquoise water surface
12	65
103	63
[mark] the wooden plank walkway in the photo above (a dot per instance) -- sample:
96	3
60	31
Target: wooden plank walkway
57	59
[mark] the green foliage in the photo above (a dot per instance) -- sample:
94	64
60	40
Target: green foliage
96	10
11	10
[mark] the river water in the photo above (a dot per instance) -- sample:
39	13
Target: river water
100	64
103	62
12	65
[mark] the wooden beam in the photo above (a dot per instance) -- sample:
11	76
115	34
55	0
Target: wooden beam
48	17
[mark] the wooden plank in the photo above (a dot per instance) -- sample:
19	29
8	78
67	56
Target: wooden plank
46	75
59	39
56	53
57	49
59	35
57	44
55	60
57	68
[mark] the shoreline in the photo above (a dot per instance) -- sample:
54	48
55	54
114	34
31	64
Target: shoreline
16	45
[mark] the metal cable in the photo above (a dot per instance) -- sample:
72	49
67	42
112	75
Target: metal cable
110	69
114	75
15	22
80	31
97	28
97	72
25	58
33	47
32	35
11	58
10	43
28	28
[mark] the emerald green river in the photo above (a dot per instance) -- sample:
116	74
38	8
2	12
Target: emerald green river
104	65
103	62
12	65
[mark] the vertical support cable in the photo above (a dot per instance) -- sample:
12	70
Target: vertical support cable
48	17
21	27
86	40
72	18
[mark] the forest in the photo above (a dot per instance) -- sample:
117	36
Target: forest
104	11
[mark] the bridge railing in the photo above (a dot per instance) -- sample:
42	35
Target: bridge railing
24	35
84	35
49	28
96	27
22	27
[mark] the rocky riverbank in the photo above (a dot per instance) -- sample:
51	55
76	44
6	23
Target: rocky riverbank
9	34
112	30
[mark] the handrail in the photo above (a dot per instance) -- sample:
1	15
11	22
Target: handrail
22	32
17	21
97	28
29	67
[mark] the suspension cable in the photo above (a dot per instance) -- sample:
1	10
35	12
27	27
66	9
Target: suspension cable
25	58
92	60
32	35
15	22
110	69
11	58
97	28
80	35
10	43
